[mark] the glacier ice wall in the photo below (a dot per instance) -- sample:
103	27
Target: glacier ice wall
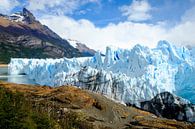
130	76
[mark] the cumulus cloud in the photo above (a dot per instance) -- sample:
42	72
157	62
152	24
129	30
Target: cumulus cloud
183	33
124	34
138	10
7	5
59	7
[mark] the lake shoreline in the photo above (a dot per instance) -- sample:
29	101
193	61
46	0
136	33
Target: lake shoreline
3	65
18	79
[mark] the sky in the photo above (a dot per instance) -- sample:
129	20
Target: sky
119	23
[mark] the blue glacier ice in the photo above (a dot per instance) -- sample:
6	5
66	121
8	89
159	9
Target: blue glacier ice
126	75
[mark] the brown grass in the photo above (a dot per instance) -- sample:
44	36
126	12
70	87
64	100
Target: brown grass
156	123
73	98
3	65
63	94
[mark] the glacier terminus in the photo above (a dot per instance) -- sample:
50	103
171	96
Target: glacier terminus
126	75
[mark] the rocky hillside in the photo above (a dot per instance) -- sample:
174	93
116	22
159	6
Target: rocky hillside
170	106
85	50
21	35
70	107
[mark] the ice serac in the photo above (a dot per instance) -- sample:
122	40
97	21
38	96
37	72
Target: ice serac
130	76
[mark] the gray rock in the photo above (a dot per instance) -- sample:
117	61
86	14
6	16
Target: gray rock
170	106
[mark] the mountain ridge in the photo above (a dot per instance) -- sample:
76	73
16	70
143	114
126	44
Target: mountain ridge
82	47
20	33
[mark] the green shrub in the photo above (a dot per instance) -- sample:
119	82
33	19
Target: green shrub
17	113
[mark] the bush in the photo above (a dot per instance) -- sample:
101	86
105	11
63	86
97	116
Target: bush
17	113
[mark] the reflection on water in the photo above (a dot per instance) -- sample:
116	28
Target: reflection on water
19	79
3	70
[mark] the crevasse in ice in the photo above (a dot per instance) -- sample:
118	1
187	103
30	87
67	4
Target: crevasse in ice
129	76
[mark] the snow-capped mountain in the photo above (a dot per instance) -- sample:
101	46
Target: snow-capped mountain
129	76
22	35
86	51
24	17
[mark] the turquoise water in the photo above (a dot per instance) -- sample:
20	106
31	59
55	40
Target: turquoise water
19	79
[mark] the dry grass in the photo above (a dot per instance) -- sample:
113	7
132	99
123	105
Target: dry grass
74	95
158	123
110	114
6	23
62	94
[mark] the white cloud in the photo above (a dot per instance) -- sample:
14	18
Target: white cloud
7	5
57	6
189	15
183	33
123	35
138	10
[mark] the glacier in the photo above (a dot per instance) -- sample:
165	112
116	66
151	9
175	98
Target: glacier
126	75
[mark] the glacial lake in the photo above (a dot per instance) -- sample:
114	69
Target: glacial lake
19	79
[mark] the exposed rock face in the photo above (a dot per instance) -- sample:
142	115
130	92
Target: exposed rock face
29	18
170	106
85	50
21	35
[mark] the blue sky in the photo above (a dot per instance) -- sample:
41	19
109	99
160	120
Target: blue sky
103	12
121	23
162	10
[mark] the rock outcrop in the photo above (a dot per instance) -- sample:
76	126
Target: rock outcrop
170	106
85	50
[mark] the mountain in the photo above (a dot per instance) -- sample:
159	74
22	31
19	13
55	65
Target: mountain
86	51
21	35
128	76
68	107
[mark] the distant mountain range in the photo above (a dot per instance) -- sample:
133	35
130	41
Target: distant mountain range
21	35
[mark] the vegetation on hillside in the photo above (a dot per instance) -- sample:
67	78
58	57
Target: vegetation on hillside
16	112
68	107
8	51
